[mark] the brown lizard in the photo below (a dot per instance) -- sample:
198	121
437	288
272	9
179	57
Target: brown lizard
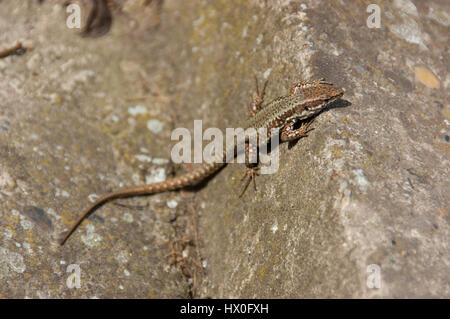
306	99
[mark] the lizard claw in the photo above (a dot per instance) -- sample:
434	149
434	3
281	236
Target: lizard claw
256	104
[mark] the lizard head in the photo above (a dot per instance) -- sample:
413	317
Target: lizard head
314	97
321	94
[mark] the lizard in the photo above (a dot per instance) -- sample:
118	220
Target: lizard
305	100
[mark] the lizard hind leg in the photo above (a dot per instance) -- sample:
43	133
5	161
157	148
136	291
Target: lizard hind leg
251	169
251	159
251	162
250	176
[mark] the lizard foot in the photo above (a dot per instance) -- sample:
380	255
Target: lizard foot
250	175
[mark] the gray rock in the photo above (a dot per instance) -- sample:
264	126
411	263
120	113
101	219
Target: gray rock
359	208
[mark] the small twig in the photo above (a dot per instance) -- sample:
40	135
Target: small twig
136	207
18	48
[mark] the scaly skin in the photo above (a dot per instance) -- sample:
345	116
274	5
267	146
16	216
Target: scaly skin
304	101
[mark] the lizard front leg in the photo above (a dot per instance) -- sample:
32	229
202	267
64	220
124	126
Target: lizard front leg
289	133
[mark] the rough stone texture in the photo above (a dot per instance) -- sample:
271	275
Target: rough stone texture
368	186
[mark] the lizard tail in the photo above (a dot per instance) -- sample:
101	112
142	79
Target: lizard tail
175	183
99	202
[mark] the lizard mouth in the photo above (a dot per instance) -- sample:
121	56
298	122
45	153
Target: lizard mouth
335	97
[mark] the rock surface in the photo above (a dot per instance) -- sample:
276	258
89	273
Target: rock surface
364	197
